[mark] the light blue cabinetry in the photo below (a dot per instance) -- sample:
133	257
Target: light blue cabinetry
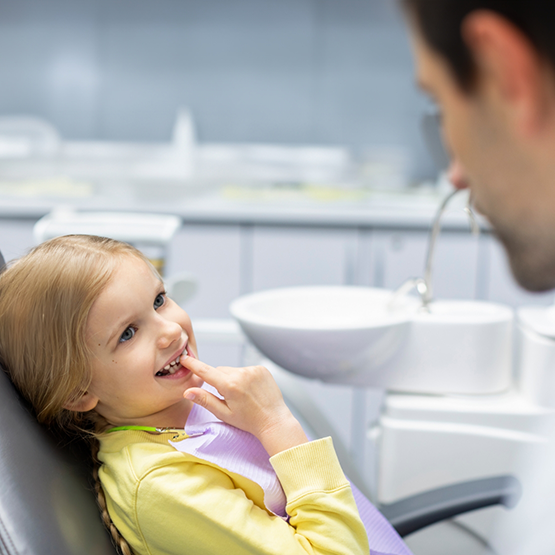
234	258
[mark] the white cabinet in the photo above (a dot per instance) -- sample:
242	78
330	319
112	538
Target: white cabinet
213	254
289	256
398	255
16	237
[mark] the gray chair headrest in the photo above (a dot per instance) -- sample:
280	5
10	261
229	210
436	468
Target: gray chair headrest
46	505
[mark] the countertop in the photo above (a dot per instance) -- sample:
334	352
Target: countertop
234	204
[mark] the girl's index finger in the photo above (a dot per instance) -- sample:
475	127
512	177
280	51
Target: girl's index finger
208	373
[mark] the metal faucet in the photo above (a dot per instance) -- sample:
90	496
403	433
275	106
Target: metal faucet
424	285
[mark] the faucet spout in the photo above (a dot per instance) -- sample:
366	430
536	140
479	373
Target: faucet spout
424	285
427	296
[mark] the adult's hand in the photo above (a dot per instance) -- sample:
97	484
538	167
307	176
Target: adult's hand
251	402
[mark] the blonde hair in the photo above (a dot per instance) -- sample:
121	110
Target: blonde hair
45	299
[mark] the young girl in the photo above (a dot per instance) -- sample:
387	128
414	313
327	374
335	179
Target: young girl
89	337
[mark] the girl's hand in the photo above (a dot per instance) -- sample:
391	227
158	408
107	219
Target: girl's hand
251	402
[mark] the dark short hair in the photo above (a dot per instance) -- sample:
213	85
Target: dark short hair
440	23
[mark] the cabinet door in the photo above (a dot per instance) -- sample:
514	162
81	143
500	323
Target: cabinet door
400	255
285	257
499	284
16	237
212	254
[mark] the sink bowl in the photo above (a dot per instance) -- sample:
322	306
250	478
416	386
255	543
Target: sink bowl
352	335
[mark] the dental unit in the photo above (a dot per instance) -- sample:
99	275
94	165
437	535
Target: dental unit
468	384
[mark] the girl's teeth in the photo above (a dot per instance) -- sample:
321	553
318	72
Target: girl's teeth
172	366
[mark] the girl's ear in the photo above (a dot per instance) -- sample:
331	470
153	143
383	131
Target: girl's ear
86	402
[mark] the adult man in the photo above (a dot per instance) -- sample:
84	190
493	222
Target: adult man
490	66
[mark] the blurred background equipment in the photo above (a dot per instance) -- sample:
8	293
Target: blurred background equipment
150	233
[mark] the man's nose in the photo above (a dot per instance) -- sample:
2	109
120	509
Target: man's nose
456	175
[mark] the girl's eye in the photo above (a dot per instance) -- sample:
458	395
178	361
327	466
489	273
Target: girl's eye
127	334
159	301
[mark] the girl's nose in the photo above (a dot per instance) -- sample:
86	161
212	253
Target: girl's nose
170	332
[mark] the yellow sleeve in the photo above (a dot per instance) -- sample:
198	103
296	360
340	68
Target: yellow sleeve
319	498
196	508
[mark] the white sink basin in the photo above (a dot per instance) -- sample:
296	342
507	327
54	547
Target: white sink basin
350	335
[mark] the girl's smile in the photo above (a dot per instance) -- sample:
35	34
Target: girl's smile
173	364
137	336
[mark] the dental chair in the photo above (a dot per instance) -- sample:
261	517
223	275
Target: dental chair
47	504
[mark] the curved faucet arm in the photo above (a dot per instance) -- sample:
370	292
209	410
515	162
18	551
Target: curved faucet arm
436	227
424	285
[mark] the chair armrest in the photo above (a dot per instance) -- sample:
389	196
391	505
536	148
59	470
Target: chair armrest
418	511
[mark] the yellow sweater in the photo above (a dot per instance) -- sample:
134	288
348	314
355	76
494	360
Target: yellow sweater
164	501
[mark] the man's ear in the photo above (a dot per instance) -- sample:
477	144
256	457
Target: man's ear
86	402
507	61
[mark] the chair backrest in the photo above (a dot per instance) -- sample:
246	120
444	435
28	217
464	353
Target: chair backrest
47	506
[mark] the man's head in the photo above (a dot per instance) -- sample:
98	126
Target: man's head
490	66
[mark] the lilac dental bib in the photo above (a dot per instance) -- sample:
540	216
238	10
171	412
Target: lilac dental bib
239	452
233	449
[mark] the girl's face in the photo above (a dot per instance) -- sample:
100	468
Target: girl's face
135	331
